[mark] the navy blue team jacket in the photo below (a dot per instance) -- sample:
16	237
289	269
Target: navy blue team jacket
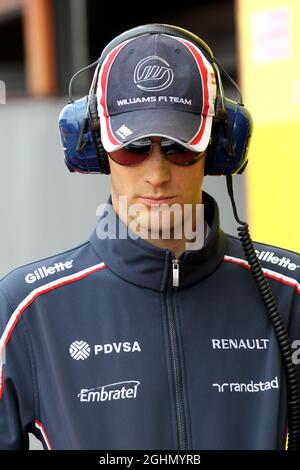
101	351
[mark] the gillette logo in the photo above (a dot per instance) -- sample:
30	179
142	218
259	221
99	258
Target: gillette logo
45	271
270	257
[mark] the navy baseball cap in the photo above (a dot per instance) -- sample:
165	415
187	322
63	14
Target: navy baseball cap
156	85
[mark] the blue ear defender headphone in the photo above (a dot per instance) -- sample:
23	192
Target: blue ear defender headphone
79	124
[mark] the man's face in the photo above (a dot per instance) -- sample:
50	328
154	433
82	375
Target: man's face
153	182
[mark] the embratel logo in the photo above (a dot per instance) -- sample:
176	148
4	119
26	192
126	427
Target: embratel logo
79	350
270	257
153	74
45	271
110	392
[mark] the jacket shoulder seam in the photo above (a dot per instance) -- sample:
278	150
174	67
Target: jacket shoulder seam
275	275
44	259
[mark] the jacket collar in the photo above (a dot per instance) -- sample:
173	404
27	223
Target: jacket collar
141	263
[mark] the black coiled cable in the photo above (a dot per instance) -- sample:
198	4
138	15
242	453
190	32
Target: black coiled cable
293	390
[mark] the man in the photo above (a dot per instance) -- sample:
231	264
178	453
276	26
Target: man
153	333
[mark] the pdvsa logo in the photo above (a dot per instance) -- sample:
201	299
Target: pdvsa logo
153	74
79	350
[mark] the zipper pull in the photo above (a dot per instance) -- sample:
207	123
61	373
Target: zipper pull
175	272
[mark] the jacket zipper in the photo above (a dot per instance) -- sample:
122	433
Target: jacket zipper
175	272
175	359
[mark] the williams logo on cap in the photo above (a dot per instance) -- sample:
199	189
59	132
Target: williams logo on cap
153	74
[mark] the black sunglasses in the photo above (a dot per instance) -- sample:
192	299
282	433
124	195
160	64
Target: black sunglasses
139	150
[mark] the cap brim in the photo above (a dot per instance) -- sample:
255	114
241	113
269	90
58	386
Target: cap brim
192	130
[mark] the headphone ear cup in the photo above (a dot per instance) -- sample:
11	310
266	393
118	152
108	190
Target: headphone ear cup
219	160
76	136
95	129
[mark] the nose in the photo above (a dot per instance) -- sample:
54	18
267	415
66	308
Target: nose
157	169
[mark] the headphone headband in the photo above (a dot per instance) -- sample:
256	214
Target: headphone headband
157	28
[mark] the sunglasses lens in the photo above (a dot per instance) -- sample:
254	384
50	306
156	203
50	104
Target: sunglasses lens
133	153
178	154
127	157
138	151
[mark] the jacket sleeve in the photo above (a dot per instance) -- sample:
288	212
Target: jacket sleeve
16	384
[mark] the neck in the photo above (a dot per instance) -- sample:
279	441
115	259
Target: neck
177	247
190	236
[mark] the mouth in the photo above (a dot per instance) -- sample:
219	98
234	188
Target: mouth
150	200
